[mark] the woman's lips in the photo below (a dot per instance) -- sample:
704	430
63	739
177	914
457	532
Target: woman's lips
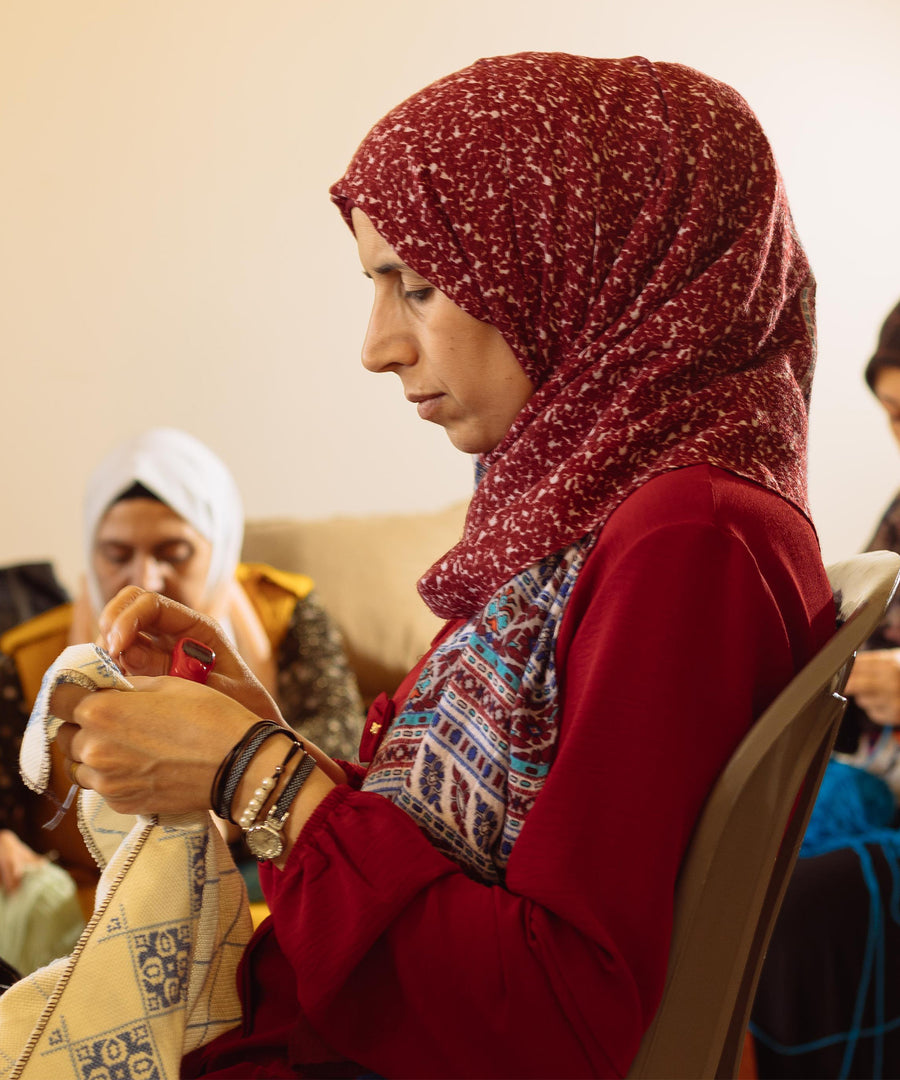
426	404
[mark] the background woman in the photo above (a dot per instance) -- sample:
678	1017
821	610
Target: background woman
162	511
829	994
585	271
875	680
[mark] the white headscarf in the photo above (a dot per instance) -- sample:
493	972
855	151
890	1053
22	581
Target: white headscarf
188	477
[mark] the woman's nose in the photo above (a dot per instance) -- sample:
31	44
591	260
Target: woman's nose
149	574
388	344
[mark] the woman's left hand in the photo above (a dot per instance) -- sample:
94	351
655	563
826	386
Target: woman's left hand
875	684
154	751
15	859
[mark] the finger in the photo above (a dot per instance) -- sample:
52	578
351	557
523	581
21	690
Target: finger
140	630
148	684
72	771
133	612
6	868
879	710
64	737
65	700
869	655
9	878
859	683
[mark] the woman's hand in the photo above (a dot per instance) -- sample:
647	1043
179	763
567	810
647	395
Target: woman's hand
875	684
140	629
15	858
154	750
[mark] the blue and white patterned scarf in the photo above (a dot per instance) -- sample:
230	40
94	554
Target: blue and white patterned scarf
470	750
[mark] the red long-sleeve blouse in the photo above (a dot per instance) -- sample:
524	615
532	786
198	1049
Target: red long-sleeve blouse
701	599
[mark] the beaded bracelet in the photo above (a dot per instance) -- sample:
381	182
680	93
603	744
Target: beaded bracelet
261	794
264	838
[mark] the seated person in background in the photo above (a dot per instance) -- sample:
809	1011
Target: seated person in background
163	512
875	679
828	1002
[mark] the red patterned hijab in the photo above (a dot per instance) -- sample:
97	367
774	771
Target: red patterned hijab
623	224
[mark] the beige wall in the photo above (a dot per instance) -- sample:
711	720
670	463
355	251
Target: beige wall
168	253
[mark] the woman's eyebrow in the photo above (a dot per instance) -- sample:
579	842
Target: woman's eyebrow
389	268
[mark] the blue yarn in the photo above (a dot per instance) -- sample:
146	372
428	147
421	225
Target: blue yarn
855	808
851	803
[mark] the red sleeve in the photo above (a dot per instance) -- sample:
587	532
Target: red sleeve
354	772
410	967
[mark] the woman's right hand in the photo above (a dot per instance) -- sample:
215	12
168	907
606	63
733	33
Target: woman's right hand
15	858
139	630
875	685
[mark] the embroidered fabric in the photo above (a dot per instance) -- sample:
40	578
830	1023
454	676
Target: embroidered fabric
153	976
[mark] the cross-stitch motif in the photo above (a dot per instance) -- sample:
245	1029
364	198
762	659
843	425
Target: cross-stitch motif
127	1054
162	957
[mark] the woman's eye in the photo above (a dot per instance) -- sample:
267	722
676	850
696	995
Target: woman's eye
418	295
116	554
175	554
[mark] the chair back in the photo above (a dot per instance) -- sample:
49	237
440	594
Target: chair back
745	844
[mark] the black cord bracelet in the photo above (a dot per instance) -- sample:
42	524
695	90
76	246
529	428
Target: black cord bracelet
235	765
215	791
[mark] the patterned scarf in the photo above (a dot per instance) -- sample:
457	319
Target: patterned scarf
470	751
624	226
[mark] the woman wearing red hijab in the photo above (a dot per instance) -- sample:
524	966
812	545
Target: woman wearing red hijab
586	272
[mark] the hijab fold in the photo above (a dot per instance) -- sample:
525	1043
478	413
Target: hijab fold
623	224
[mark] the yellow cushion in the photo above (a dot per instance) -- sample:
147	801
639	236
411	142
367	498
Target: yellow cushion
35	644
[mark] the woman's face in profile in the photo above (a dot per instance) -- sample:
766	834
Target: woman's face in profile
144	542
458	371
887	390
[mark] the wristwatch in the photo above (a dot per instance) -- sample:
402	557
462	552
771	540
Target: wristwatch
265	840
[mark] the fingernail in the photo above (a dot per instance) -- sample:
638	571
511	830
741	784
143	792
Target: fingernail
136	658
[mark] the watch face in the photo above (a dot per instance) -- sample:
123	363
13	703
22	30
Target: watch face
264	841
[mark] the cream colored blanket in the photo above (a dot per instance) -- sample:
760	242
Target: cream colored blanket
153	975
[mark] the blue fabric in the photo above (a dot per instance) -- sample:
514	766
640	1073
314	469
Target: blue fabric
851	803
855	810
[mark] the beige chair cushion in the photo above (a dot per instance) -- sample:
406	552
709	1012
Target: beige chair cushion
365	571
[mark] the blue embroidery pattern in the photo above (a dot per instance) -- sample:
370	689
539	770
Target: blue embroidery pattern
470	750
127	1054
161	958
